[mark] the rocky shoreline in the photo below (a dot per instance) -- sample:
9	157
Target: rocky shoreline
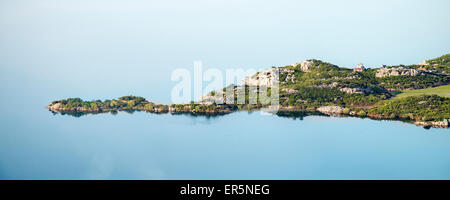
341	111
188	109
436	124
161	109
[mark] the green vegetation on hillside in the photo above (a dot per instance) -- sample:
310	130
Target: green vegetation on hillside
326	84
122	103
134	103
413	82
432	73
443	91
416	108
440	64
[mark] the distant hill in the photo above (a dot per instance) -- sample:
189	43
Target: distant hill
440	64
314	83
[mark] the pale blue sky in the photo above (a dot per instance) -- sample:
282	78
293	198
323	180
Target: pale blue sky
133	46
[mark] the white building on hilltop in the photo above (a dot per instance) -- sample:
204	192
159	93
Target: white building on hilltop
360	68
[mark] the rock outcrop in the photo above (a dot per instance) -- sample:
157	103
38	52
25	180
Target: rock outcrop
57	107
350	90
438	124
265	77
289	90
290	76
359	90
331	110
54	107
304	66
397	71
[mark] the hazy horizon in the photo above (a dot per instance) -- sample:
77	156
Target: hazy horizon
76	47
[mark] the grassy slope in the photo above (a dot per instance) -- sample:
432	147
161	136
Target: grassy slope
416	108
443	91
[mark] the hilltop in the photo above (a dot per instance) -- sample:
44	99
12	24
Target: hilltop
314	83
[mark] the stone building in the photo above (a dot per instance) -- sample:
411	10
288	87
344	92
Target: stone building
360	68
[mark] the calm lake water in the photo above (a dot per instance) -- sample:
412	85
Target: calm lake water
35	144
51	50
242	145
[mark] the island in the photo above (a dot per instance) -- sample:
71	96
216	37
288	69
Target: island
418	93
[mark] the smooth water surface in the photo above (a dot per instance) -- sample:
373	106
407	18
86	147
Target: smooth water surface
242	145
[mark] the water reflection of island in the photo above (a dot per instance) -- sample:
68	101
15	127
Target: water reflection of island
292	114
131	111
281	113
298	114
